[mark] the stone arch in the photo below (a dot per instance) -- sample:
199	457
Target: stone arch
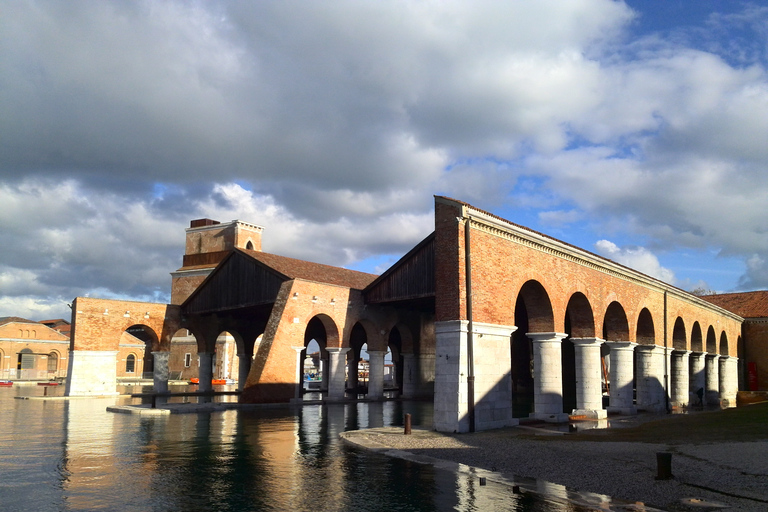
538	308
150	339
578	315
615	324
696	341
646	333
723	344
711	341
678	335
323	326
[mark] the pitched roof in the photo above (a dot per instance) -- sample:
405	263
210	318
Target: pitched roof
300	269
744	304
8	319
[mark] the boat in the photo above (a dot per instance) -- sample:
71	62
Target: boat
215	382
6	383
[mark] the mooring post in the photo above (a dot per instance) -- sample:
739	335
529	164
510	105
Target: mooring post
154	400
407	424
664	464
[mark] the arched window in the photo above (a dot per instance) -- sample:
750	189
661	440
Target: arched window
249	245
26	360
130	363
53	362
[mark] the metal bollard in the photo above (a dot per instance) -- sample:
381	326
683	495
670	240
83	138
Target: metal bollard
664	465
407	424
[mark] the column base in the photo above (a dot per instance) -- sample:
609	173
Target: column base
550	417
626	411
591	414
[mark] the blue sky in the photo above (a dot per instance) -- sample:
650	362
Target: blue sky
634	130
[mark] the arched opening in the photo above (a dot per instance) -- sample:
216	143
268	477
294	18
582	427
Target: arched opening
723	344
615	325
25	364
678	335
646	333
143	339
711	341
313	367
355	382
249	245
696	341
533	313
579	323
323	331
224	361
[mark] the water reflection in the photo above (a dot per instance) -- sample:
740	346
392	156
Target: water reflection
73	455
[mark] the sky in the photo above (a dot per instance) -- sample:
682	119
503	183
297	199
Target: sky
636	130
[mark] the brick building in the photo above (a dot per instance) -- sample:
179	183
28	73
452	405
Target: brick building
32	350
753	353
492	320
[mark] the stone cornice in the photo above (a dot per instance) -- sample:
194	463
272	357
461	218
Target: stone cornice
498	227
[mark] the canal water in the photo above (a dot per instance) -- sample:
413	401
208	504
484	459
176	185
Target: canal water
73	455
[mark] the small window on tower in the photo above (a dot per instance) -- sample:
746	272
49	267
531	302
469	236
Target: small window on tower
187	360
249	245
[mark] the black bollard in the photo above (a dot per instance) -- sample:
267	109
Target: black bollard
664	463
407	424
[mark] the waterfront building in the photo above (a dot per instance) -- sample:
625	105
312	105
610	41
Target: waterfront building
491	320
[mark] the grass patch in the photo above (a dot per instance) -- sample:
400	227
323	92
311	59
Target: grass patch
741	424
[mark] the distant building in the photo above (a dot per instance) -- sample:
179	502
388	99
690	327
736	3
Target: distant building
753	353
32	350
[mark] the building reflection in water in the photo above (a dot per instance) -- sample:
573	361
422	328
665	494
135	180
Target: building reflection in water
264	459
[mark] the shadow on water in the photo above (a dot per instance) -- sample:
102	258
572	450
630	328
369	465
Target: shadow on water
72	455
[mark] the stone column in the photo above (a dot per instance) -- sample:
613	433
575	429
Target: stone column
712	388
622	375
589	390
160	373
697	378
729	380
206	371
323	373
409	375
649	382
376	374
547	376
298	377
680	378
243	369
336	373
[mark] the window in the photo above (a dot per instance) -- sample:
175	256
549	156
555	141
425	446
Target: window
187	360
53	362
130	364
26	360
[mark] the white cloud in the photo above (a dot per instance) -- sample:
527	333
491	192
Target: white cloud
638	258
334	124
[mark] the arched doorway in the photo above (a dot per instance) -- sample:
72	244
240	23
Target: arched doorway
533	314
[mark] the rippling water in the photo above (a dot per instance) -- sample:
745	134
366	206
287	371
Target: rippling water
73	455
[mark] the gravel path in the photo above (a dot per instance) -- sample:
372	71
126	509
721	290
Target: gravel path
734	475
